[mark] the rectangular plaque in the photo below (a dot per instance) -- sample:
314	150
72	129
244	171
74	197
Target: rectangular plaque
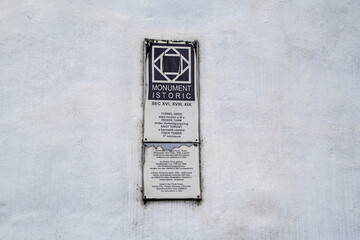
171	158
171	171
171	110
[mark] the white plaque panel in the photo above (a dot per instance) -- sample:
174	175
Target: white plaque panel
171	171
171	111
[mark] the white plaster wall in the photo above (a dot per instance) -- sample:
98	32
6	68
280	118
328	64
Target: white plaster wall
280	112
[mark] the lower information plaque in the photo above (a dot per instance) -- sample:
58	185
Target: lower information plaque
171	171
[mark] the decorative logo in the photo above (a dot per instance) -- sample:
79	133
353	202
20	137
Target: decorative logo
171	64
171	72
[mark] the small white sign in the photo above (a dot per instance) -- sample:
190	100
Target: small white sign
171	171
171	111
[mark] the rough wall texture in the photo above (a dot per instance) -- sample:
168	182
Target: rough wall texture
280	112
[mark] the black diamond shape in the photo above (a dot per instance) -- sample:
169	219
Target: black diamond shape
157	63
184	64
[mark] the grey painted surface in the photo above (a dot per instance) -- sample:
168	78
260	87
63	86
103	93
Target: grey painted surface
280	111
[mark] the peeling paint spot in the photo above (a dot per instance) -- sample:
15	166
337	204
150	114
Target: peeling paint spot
169	146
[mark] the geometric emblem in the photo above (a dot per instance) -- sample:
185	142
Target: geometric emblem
171	64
